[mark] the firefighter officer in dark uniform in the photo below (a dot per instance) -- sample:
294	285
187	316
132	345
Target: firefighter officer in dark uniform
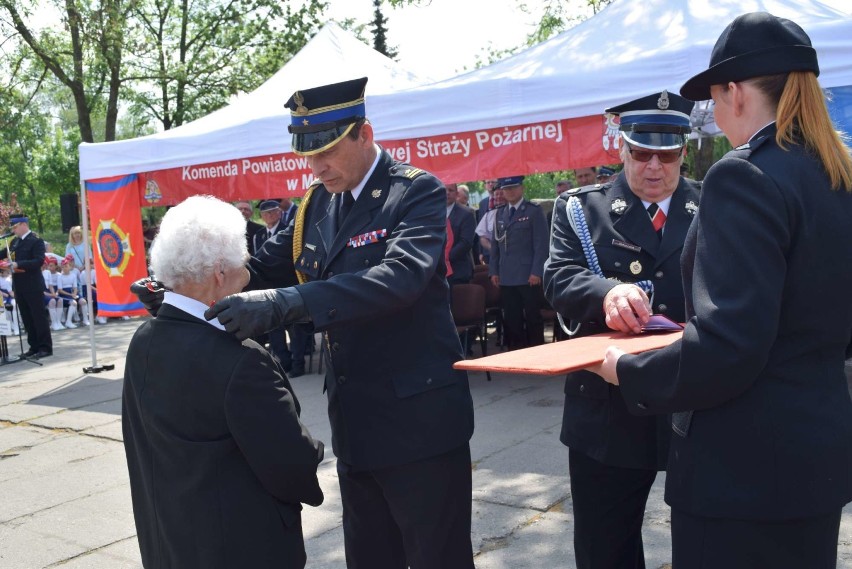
27	256
518	252
617	246
368	245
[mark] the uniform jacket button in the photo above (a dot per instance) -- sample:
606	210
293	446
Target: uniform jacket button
335	347
341	380
662	307
642	406
331	273
332	313
582	387
659	274
429	381
366	262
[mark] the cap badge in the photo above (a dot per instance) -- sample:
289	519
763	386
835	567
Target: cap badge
377	193
691	207
306	122
299	99
635	267
663	101
618	206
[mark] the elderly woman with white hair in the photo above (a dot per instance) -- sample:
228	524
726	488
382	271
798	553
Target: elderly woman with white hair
219	461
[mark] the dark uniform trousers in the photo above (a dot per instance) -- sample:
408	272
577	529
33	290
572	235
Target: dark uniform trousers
385	511
794	544
613	456
401	416
29	290
522	316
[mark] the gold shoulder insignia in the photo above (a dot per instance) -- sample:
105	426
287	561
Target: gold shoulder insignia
413	173
299	228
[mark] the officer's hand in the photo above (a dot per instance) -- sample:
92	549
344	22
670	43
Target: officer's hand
534	280
495	280
150	293
608	369
626	308
249	314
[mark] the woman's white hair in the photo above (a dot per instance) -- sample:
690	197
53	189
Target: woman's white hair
197	237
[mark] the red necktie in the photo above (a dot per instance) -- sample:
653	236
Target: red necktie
658	218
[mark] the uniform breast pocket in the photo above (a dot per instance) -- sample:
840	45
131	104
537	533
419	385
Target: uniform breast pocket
364	257
623	264
310	262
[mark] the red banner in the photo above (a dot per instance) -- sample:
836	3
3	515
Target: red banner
458	157
119	248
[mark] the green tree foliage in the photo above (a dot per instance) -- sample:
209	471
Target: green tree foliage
37	159
379	25
189	58
84	55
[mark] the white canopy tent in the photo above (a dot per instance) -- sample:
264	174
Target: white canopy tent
255	124
630	49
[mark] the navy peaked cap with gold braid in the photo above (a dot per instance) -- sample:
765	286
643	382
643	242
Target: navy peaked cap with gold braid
321	116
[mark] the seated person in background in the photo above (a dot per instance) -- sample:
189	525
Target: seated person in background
8	296
84	285
69	293
219	461
52	300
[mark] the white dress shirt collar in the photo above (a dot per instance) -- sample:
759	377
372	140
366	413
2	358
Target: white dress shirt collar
190	306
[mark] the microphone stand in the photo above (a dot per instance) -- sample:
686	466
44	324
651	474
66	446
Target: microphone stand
4	349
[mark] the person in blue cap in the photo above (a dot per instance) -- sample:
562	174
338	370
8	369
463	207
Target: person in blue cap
367	248
26	253
614	259
760	465
516	264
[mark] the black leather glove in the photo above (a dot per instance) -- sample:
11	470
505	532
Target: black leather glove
250	314
150	293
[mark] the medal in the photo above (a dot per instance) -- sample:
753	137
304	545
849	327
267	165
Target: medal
635	267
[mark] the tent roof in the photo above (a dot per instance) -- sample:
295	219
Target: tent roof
255	124
630	49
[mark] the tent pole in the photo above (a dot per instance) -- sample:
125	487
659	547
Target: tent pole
95	368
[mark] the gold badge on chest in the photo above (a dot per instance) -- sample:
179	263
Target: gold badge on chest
635	267
377	193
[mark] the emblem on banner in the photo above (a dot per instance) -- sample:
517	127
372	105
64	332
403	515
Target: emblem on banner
152	192
113	246
610	137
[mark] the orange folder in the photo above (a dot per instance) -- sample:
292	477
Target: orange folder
568	355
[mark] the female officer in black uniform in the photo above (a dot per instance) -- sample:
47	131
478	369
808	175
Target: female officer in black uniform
760	464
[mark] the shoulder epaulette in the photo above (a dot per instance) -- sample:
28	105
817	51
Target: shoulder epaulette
587	189
406	171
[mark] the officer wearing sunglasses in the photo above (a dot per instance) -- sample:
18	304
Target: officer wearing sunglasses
606	238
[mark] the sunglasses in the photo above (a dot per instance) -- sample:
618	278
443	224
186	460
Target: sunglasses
642	155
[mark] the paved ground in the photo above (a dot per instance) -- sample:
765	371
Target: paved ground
65	500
